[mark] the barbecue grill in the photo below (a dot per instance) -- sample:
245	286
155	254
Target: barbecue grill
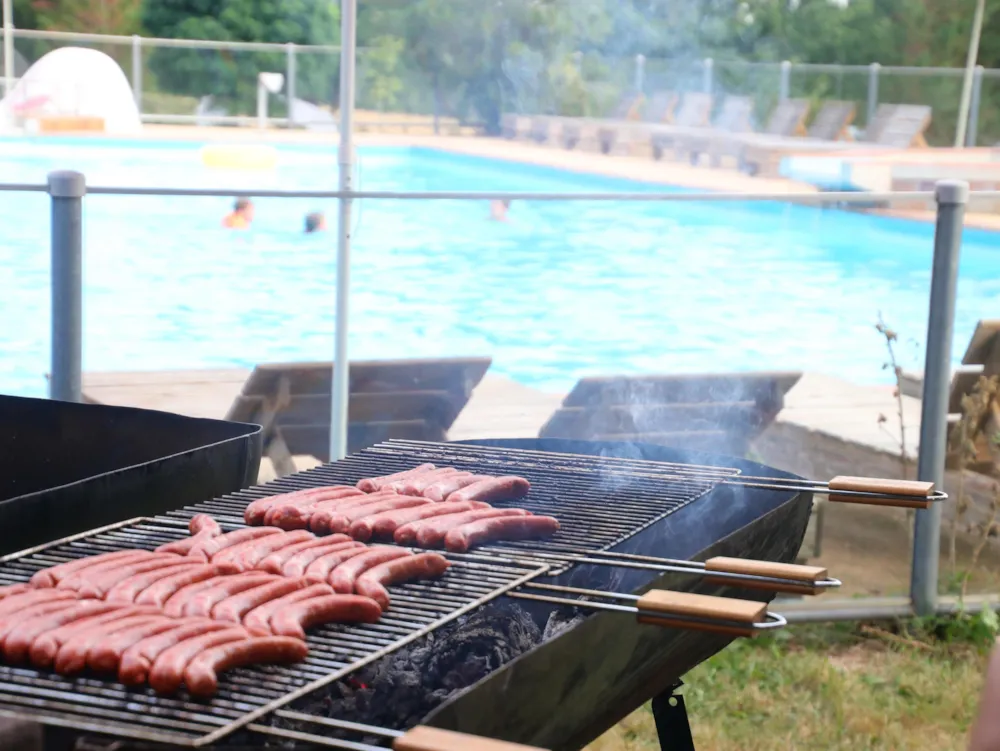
568	614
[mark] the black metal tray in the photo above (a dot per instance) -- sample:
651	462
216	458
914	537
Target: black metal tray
66	468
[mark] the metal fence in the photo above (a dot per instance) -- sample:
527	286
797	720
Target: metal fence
159	71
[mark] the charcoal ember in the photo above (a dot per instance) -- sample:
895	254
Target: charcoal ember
402	688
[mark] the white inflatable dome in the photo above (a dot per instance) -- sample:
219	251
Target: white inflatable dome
73	82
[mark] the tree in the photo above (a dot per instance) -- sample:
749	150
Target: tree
230	76
94	16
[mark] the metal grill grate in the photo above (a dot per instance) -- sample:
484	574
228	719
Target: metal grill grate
104	706
599	501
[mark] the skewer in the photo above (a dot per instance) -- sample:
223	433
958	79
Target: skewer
661	607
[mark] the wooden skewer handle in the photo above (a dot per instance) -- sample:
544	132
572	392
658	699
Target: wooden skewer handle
423	738
663	602
713	628
772	569
916	503
913	488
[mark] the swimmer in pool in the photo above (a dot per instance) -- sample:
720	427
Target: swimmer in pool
241	216
315	222
498	210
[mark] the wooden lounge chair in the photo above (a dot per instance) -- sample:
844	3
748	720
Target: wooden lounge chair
582	131
694	112
658	110
899	126
718	413
736	116
415	399
788	120
983	351
515	127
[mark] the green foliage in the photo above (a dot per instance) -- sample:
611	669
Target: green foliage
979	628
93	16
379	82
231	76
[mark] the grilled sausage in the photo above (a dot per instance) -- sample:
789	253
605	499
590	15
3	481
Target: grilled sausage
174	605
460	539
506	488
49	577
323	513
245	556
212	547
16	603
77	578
254	513
277	560
442	488
157	593
13	619
99	585
294	514
203	523
385	523
371	484
201	675
129	588
13	589
133	669
44	648
72	655
415	484
340	519
168	671
201	603
238	605
373	582
343	577
18	641
296	565
259	619
429	533
294	619
202	527
319	570
104	656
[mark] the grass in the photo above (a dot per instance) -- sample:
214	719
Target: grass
913	687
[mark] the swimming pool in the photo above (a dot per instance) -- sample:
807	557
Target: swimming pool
562	290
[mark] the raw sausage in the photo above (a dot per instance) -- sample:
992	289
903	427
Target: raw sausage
245	556
340	519
13	589
133	670
373	582
98	585
385	523
371	484
209	548
295	514
77	578
72	655
321	514
104	657
174	605
430	533
343	577
13	619
506	488
201	675
296	565
17	644
276	560
415	484
157	593
460	539
44	648
255	512
128	589
259	619
441	489
49	577
202	527
238	605
168	671
295	619
201	603
319	570
203	523
16	603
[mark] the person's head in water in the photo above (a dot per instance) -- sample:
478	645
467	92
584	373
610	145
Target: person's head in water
498	209
315	222
241	215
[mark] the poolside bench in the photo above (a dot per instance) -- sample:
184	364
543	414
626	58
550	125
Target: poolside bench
416	399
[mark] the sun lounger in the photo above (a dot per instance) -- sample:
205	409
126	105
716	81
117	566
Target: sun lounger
718	413
736	116
413	399
515	127
582	131
614	136
786	121
692	116
983	351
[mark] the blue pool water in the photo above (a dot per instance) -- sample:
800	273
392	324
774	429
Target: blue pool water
563	290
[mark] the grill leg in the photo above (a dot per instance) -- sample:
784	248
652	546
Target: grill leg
672	726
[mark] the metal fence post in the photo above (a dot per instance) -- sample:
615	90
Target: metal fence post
952	197
640	73
290	73
67	190
8	47
972	132
707	75
873	74
137	71
785	81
